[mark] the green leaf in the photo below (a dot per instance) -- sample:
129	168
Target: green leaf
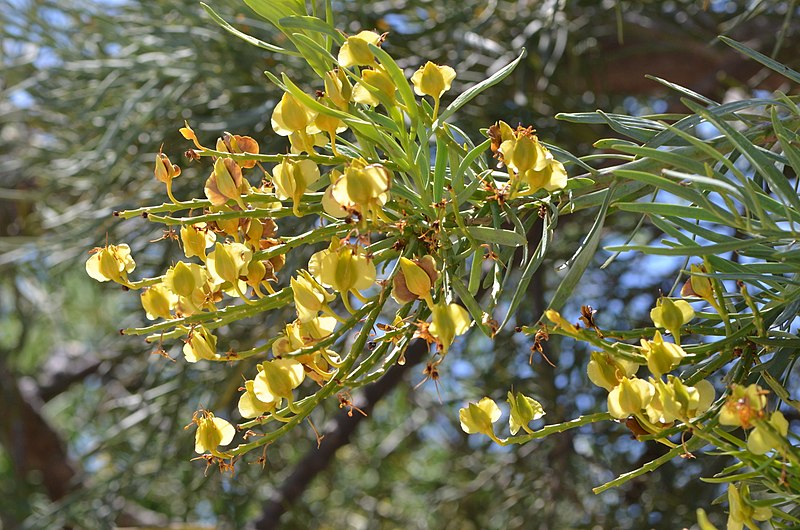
763	59
312	25
670	210
473	91
583	256
275	10
400	81
244	36
521	289
776	180
497	235
683	90
440	166
705	250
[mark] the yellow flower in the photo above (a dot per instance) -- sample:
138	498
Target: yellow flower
449	321
292	179
355	50
629	397
309	296
202	344
211	433
523	411
743	406
374	88
228	262
478	418
671	315
158	301
343	268
111	263
552	178
433	80
226	183
661	356
700	286
291	116
193	285
768	434
363	189
196	239
338	88
606	371
675	401
740	510
277	378
250	406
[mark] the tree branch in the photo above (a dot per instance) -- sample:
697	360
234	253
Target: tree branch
316	460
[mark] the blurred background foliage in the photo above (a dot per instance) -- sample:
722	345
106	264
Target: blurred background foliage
91	432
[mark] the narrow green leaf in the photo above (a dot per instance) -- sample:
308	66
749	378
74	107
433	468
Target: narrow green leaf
521	289
275	10
776	180
440	165
312	25
497	235
670	210
670	158
763	59
683	90
583	256
244	36
473	91
400	81
705	250
471	304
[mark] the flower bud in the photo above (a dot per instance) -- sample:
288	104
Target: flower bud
417	280
478	418
523	411
560	322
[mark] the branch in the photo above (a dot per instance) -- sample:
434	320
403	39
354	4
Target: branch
316	460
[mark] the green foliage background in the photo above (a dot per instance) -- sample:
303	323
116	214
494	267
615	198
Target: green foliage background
89	93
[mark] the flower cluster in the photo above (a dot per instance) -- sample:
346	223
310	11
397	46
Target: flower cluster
379	207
